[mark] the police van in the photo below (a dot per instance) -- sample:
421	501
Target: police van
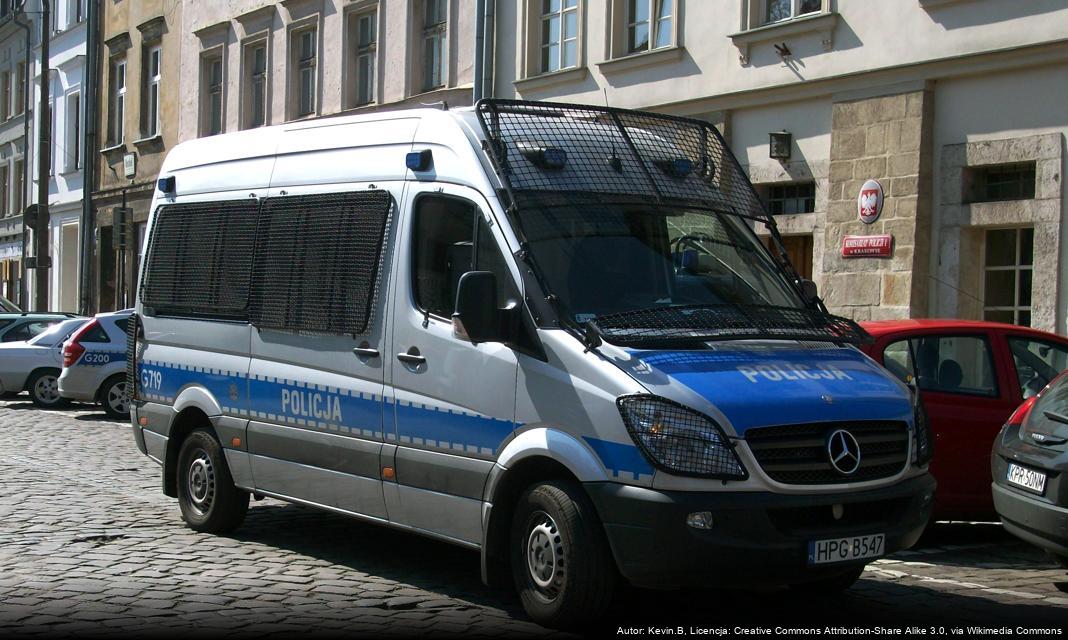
547	332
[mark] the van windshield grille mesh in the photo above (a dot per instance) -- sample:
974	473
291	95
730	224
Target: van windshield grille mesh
622	156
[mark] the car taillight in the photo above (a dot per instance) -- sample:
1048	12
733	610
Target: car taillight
71	352
73	349
1017	418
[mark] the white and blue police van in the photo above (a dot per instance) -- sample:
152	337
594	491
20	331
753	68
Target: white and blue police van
547	332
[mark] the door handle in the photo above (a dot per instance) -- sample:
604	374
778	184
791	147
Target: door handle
412	356
366	351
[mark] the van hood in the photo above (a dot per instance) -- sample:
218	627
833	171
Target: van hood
757	384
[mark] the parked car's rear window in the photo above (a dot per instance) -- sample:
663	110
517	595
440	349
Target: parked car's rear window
95	333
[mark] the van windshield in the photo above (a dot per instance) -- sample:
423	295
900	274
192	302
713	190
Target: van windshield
645	273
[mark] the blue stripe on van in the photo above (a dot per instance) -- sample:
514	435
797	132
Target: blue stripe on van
620	458
298	403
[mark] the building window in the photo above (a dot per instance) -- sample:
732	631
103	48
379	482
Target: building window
212	109
650	24
365	41
19	187
1007	270
151	126
255	83
117	99
72	157
20	88
559	34
996	183
778	10
434	36
304	63
5	203
5	95
788	199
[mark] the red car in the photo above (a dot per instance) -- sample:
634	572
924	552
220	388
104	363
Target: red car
971	376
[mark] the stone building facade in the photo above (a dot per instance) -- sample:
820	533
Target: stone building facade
954	106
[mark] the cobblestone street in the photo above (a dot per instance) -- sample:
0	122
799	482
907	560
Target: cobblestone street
90	545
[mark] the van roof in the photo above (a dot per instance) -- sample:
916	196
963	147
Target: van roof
266	141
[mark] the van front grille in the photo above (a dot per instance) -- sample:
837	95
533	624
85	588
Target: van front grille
798	454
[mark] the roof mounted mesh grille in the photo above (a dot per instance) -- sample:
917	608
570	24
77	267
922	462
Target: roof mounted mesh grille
620	155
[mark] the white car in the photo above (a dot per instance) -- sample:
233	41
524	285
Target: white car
34	365
94	364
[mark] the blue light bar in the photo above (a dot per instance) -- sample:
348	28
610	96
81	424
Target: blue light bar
676	167
419	160
542	156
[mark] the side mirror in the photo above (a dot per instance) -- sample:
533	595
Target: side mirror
477	317
808	291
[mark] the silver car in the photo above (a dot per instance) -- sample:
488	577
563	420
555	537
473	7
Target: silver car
94	364
34	365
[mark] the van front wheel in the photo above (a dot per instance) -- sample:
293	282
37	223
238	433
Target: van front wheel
206	493
561	564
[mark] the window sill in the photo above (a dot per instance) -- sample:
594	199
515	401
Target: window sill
149	140
639	60
113	148
820	23
550	79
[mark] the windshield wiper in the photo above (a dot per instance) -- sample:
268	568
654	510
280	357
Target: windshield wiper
1056	417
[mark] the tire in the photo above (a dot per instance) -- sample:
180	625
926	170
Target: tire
43	386
831	585
209	501
114	399
561	563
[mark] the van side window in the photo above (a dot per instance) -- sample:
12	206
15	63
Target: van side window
317	262
443	241
200	259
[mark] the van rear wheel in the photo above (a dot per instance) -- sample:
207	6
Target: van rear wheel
561	563
206	493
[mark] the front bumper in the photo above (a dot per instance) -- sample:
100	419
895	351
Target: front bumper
757	538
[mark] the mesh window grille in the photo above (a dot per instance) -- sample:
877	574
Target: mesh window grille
621	156
201	258
318	259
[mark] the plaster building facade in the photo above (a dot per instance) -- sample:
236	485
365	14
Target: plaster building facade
137	122
15	120
956	108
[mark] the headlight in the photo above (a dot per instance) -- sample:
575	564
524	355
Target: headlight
679	440
923	438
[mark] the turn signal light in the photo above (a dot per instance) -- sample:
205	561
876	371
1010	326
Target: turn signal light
388	473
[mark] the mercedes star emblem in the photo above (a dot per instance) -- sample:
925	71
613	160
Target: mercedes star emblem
843	450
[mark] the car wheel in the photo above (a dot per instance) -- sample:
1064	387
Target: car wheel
561	563
114	399
206	493
44	389
831	585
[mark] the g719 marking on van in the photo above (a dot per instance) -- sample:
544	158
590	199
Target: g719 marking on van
781	372
310	404
151	380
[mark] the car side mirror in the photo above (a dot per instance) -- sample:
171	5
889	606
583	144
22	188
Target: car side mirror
477	317
809	291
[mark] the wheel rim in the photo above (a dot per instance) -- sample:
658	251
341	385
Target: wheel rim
545	555
200	482
117	398
47	389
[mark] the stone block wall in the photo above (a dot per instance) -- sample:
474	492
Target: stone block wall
885	138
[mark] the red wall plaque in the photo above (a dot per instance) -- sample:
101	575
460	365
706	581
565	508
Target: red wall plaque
880	246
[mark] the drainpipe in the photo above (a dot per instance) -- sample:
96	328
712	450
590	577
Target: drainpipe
18	20
44	161
88	155
480	47
489	29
